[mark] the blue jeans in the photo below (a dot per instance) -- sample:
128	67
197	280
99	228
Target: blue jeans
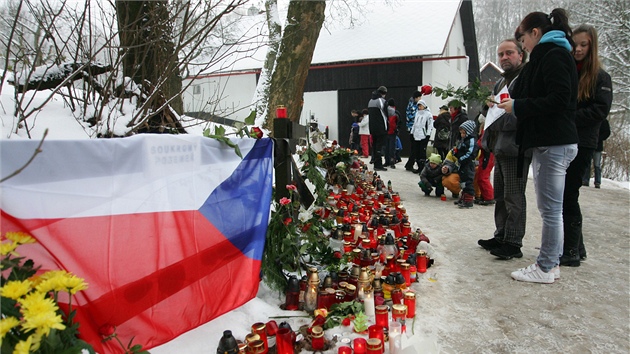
549	165
597	167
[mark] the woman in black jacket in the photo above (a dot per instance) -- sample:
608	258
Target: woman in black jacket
544	102
594	101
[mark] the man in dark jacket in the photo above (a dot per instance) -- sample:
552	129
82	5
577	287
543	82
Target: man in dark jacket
499	138
377	110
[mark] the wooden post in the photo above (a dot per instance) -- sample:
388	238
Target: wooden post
282	132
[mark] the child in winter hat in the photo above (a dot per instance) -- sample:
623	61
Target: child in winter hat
466	152
431	176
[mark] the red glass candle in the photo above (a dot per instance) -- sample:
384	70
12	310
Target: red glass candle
421	259
399	313
281	112
413	271
410	302
317	338
382	316
397	296
376	331
374	346
344	350
322	299
292	299
256	347
261	329
405	269
406	229
284	341
360	345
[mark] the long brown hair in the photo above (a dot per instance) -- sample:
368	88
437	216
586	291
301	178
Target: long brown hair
590	64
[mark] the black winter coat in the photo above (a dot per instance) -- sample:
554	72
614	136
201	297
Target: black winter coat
545	98
443	121
592	112
377	108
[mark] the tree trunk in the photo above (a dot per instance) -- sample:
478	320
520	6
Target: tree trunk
264	81
149	59
304	21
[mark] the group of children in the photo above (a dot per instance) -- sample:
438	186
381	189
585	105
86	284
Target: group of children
439	174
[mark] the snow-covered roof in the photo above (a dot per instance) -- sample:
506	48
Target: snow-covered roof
493	65
400	28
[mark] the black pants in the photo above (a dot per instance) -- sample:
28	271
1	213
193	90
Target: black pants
571	212
418	153
390	149
378	142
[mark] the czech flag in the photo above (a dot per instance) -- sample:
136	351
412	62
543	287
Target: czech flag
167	230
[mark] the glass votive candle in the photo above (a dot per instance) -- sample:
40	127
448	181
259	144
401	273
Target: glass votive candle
359	345
374	346
395	338
410	302
382	315
256	347
399	313
344	350
376	331
317	338
397	296
284	341
260	328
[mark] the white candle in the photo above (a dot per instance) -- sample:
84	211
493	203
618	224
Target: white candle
395	339
358	229
368	304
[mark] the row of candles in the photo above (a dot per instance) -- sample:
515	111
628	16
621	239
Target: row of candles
264	336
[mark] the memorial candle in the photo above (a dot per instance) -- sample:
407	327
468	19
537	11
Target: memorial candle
368	302
382	315
360	346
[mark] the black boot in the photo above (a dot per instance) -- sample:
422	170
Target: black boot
572	232
570	259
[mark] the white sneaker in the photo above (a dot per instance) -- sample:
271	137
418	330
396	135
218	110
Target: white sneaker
556	272
533	274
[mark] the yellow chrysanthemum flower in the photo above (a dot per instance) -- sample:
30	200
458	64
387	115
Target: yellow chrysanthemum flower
23	346
15	289
62	282
20	237
319	157
53	273
6	324
37	340
8	247
40	313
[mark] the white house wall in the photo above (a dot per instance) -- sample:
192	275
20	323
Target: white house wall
323	107
228	96
440	73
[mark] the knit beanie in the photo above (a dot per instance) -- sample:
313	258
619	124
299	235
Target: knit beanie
468	126
435	158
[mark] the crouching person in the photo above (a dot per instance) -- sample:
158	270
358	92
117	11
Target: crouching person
431	176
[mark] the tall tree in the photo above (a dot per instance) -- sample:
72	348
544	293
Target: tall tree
304	22
150	60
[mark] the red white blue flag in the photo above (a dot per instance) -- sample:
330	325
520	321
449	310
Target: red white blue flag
168	231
